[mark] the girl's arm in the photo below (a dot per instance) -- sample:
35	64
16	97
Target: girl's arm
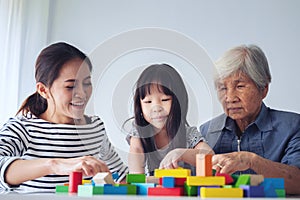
171	160
136	157
20	171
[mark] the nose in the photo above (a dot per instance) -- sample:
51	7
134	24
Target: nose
157	108
231	95
80	92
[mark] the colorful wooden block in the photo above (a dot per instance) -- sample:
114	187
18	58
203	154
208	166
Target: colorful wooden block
190	190
256	179
203	165
103	178
160	191
135	178
228	179
205	180
168	182
62	189
253	191
177	173
109	189
75	179
243	179
131	189
142	188
89	190
221	192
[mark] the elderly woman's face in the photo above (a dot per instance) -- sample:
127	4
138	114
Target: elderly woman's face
240	97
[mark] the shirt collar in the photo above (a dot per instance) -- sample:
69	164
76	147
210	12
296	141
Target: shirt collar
263	121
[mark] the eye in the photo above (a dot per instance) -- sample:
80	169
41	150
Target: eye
240	86
87	84
166	99
70	87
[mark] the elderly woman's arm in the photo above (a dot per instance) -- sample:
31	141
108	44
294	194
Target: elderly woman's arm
240	161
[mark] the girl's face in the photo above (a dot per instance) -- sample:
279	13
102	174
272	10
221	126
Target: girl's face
69	93
156	107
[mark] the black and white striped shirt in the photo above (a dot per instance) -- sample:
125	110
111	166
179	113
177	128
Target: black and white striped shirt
33	138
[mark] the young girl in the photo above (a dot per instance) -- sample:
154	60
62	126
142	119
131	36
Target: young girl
52	137
161	136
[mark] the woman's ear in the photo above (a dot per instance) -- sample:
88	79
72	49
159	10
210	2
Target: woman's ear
42	90
265	91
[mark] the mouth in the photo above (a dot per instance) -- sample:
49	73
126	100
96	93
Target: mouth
78	104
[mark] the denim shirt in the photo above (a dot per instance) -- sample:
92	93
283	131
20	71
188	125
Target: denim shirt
274	135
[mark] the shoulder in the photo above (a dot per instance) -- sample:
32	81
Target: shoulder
214	125
287	119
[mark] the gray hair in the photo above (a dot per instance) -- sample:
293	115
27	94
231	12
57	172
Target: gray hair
249	60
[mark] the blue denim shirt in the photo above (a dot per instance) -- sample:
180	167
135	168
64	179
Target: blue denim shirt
274	135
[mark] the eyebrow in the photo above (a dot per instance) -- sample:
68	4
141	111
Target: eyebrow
73	80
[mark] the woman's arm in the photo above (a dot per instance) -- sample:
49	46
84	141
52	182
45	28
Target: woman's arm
20	171
240	161
136	157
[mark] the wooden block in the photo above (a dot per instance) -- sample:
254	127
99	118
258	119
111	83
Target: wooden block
243	179
109	189
205	180
177	173
131	189
253	191
142	188
103	178
256	179
160	191
62	189
228	179
152	179
168	182
75	179
190	190
221	192
89	190
203	165
135	178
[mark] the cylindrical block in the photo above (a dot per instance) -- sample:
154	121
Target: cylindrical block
75	179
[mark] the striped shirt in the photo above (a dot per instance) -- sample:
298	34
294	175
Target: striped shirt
33	138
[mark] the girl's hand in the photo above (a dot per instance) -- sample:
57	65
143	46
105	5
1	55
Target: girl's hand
231	162
88	165
171	160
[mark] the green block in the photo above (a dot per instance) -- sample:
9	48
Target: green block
62	189
280	192
89	190
135	178
190	190
242	180
227	186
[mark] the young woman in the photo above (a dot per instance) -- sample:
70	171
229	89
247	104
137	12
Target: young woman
161	136
51	136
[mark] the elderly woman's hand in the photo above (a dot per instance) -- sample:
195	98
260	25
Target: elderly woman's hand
231	162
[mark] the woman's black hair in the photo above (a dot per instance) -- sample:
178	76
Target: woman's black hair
168	81
48	65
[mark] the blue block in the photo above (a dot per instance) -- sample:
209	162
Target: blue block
168	182
108	189
278	183
142	188
253	191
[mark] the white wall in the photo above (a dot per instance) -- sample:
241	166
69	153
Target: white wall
215	25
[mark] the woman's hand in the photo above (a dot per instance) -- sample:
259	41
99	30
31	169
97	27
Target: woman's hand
231	162
88	165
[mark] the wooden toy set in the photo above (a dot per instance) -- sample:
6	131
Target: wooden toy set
178	182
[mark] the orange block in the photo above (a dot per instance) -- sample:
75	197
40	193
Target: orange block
203	165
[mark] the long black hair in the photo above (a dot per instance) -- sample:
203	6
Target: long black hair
48	64
168	81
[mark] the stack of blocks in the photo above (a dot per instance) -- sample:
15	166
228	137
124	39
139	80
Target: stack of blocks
179	182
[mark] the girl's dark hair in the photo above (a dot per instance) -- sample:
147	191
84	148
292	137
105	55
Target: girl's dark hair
47	68
168	81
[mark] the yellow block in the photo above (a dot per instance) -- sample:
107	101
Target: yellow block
205	180
177	173
221	192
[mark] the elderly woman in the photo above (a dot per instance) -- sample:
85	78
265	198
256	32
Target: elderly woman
250	137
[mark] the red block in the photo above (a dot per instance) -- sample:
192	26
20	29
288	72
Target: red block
228	179
159	191
75	179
